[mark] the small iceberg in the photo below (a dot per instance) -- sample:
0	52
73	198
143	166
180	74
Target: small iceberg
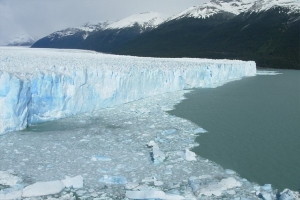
113	180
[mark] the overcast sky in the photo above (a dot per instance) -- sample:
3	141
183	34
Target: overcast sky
42	17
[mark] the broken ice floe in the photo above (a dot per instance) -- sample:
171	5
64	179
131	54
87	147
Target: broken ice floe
152	194
75	182
40	188
189	155
157	156
200	130
264	72
287	194
8	178
43	188
229	171
169	131
113	179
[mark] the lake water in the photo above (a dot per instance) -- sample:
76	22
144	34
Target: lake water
253	127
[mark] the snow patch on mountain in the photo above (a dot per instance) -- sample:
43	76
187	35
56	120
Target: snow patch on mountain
235	7
262	5
94	26
144	20
147	20
84	30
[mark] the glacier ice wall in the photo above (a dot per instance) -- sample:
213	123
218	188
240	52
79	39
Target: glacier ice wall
38	85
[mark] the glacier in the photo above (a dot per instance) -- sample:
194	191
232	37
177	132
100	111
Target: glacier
39	85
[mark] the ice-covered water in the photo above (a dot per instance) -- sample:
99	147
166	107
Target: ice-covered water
111	149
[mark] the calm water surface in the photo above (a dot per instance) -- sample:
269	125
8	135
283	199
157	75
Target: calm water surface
253	127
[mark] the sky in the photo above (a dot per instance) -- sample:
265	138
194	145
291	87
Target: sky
39	18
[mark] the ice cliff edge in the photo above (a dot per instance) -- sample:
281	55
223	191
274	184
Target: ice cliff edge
38	85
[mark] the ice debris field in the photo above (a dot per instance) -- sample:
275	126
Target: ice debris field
131	151
121	147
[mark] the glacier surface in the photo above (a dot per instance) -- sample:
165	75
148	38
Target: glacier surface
38	85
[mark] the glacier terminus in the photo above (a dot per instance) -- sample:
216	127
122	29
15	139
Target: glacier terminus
39	85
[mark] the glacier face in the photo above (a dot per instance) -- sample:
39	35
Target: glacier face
38	85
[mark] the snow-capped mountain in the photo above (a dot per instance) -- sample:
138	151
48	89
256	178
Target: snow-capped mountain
104	35
83	30
235	7
144	20
266	31
20	40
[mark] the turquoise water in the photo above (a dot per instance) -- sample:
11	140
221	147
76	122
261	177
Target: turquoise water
253	127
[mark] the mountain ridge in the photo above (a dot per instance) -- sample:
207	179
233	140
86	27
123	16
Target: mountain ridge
234	29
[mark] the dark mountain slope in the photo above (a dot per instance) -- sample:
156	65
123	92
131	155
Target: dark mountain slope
110	39
70	42
271	38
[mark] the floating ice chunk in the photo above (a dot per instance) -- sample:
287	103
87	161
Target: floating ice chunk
158	183
200	130
7	178
188	155
218	188
113	179
100	158
195	183
287	194
11	195
75	182
265	196
230	183
229	171
152	194
231	192
267	187
169	131
43	188
261	72
157	155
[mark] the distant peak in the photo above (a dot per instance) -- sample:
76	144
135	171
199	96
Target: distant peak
144	20
22	39
235	7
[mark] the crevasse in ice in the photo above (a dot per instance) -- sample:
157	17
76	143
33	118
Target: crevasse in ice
38	85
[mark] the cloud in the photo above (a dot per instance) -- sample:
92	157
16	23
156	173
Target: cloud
42	17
